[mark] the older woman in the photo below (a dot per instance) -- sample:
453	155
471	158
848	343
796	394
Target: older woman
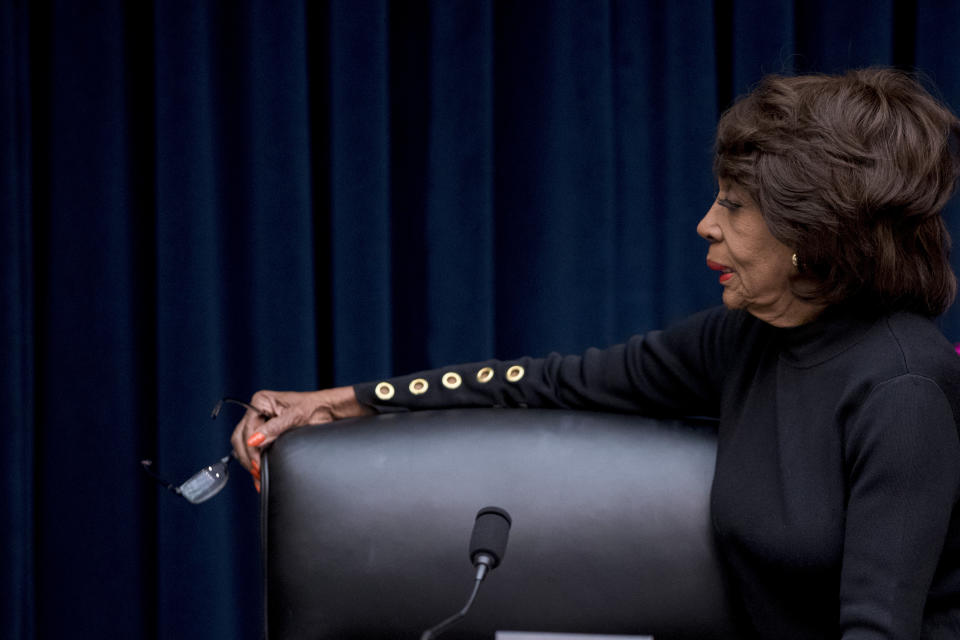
835	499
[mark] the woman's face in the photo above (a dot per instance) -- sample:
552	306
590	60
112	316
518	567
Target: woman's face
755	268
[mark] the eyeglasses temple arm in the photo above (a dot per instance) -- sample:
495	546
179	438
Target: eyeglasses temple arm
247	405
147	464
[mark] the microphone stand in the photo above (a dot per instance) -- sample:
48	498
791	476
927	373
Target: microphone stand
483	564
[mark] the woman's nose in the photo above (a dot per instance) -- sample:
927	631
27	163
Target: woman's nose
707	227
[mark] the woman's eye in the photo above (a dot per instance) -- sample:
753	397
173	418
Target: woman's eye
728	204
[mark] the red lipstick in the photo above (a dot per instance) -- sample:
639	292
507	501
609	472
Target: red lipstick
727	272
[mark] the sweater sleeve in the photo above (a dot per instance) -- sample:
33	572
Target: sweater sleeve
671	372
903	461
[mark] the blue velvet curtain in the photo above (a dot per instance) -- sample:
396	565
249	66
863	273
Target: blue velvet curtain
206	198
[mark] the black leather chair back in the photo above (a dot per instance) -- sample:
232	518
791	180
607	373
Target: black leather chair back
366	525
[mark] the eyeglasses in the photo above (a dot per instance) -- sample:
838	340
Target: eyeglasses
210	480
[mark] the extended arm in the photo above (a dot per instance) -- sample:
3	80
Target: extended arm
674	372
677	371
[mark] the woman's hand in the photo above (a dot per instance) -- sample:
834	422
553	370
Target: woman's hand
280	411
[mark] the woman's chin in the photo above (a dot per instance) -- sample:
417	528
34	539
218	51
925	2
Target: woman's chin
733	301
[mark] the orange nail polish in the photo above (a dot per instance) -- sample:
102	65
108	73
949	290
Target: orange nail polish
255	465
256	439
256	483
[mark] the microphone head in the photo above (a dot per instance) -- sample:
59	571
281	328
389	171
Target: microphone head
490	531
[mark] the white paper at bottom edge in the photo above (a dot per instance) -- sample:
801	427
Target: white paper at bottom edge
533	635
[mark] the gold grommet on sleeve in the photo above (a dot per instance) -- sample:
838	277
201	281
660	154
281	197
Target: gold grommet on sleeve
451	380
384	390
419	386
514	373
485	375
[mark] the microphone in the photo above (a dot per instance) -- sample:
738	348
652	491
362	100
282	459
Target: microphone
488	545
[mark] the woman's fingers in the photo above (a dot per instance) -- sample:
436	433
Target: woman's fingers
248	456
280	411
298	413
272	429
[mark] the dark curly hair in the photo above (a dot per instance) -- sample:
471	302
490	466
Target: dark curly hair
852	171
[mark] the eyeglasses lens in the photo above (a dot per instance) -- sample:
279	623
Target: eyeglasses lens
206	483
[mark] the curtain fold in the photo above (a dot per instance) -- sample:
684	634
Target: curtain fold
203	198
235	280
91	371
17	610
553	139
360	190
460	157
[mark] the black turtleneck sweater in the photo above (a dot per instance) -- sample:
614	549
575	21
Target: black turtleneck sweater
835	497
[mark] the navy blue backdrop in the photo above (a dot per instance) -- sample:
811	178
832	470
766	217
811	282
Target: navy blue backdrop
201	198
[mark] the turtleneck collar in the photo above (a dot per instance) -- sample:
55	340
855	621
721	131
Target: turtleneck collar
834	331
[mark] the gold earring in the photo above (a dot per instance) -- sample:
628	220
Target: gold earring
796	262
